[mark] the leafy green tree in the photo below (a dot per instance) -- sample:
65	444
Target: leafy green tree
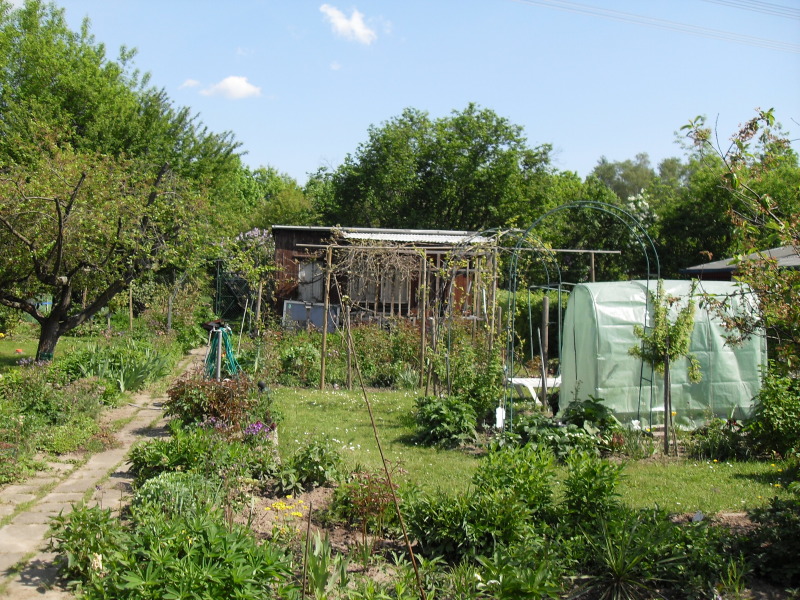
101	177
626	178
281	201
667	341
77	222
472	170
692	222
760	173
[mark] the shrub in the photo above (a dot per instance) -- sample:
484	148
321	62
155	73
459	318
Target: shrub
590	488
315	464
718	439
775	427
365	498
300	365
201	451
541	431
231	404
176	494
777	538
67	437
512	492
129	364
448	421
523	472
192	557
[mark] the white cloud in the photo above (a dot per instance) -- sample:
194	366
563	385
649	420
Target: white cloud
335	66
233	87
353	28
190	83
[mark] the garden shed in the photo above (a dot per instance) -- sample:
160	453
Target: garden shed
598	333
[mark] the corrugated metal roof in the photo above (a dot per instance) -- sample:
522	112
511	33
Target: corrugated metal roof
411	237
787	257
405	236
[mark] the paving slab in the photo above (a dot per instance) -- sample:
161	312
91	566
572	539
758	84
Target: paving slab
38	579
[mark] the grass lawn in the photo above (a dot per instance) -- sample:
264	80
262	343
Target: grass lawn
343	416
28	343
677	485
682	485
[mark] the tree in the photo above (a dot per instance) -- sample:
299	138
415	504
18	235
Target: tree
626	178
693	224
281	201
471	170
78	222
665	342
760	174
101	178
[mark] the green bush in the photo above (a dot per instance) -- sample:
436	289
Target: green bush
201	451
776	539
315	464
129	364
523	472
193	557
541	431
176	494
719	439
511	492
590	488
300	365
67	437
448	421
229	404
775	426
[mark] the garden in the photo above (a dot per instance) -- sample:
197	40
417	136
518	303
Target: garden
268	487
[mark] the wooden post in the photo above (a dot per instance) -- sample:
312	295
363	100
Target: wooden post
591	263
326	305
423	317
130	306
258	306
349	350
493	302
218	370
667	401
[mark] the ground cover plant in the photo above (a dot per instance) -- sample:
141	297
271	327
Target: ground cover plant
55	407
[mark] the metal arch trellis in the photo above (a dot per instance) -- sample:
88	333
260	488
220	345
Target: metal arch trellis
653	267
527	242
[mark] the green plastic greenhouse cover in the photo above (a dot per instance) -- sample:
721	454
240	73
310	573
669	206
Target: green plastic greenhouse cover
596	361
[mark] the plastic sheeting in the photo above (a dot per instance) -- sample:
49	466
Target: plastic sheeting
597	337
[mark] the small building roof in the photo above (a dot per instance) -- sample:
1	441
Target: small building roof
405	236
788	257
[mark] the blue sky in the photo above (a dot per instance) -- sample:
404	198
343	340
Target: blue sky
300	82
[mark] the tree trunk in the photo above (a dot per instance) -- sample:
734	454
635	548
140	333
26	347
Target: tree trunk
49	335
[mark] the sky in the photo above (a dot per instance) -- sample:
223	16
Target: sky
300	82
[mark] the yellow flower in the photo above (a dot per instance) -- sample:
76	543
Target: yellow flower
296	514
289	497
777	485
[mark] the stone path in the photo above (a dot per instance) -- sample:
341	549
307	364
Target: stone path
27	569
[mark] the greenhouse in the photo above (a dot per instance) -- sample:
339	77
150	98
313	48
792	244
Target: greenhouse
598	334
